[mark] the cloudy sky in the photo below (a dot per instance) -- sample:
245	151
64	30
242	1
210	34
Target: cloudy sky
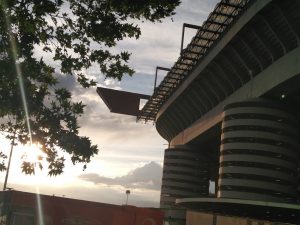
131	154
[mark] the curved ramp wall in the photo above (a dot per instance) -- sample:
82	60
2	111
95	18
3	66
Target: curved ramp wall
185	174
298	186
259	152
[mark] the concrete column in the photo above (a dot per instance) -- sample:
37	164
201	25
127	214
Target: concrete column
259	152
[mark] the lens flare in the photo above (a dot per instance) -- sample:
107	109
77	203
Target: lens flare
33	153
24	101
39	207
18	68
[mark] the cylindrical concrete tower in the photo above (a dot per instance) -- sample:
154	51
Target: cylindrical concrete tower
185	174
259	152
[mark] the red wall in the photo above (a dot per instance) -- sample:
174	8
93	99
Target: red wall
65	211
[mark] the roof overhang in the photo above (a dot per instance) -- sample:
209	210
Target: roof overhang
121	102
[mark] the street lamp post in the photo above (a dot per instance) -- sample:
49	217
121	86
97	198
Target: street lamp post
127	195
9	161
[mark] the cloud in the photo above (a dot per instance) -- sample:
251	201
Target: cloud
146	177
95	193
195	11
66	81
124	144
107	129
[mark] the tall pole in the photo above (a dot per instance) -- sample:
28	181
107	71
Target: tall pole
182	38
9	160
155	79
159	68
183	29
127	194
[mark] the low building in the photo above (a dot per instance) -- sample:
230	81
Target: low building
22	208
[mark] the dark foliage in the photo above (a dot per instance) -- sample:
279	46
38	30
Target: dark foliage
67	30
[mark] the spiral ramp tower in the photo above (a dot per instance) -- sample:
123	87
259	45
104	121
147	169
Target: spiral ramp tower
185	174
259	152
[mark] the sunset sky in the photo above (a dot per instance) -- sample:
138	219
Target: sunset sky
131	154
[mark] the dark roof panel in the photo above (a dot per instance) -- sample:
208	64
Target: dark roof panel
121	102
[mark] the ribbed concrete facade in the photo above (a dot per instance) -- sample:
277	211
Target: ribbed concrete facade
246	58
259	152
185	174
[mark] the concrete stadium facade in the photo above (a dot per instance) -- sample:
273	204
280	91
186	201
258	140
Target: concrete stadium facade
230	110
185	174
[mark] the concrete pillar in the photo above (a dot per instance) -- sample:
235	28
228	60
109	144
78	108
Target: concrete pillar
259	152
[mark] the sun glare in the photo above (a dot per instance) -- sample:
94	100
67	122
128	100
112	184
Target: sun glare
33	153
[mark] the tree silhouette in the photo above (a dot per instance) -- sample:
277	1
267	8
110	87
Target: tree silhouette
76	34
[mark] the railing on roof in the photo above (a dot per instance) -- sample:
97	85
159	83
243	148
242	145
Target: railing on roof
218	22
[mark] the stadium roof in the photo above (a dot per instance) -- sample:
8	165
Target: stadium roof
218	22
